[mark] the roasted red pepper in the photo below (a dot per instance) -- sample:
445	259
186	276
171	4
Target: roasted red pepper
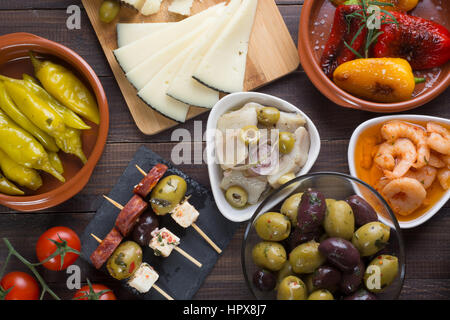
424	43
335	51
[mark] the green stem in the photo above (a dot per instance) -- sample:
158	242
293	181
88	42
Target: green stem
30	266
419	80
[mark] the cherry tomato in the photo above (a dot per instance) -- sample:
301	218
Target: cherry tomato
24	286
94	293
63	239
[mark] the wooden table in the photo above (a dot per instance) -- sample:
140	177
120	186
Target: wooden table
427	247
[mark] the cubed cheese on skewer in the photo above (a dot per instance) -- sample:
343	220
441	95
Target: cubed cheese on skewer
144	278
182	7
163	242
185	214
151	7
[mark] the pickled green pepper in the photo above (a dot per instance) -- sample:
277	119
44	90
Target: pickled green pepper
45	118
56	162
9	188
23	148
66	88
8	106
71	119
26	177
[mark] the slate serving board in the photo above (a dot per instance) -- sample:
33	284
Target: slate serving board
179	277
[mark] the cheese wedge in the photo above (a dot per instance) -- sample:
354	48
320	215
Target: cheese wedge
130	32
154	93
186	89
137	4
144	72
182	7
223	67
138	51
150	7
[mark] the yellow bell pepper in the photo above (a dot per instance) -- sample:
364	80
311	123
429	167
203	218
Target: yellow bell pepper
396	5
376	79
23	148
66	88
26	177
400	5
9	188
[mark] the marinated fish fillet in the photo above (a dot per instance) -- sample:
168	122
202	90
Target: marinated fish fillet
255	186
289	122
295	160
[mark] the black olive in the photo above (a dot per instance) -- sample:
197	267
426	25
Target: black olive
264	280
148	222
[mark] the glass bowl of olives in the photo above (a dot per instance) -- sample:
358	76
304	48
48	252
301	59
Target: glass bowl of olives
324	241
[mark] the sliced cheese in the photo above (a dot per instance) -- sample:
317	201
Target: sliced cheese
138	51
186	89
130	32
182	7
144	72
223	67
154	93
150	7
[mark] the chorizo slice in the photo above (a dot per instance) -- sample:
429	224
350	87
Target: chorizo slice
106	248
150	180
130	214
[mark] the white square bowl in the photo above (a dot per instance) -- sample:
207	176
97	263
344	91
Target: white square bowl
351	163
234	101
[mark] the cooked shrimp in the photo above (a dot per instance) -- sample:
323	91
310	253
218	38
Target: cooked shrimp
436	161
396	129
425	175
444	178
446	159
439	138
397	158
404	195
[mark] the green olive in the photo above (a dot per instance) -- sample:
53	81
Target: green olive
292	288
306	257
108	11
371	238
268	116
380	273
167	194
339	220
236	196
290	207
286	270
250	134
286	178
125	260
321	295
286	142
269	255
273	226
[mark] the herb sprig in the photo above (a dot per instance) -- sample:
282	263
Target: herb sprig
364	17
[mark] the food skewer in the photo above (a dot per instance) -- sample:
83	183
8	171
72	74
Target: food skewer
148	267
183	208
169	244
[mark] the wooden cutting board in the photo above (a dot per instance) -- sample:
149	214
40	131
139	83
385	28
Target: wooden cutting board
272	54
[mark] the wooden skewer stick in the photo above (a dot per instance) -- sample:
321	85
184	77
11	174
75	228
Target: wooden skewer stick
179	250
161	291
196	227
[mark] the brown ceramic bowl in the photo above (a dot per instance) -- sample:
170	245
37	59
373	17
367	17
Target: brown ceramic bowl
315	24
14	62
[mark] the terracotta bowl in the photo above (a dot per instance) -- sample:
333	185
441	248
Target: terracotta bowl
315	24
14	62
